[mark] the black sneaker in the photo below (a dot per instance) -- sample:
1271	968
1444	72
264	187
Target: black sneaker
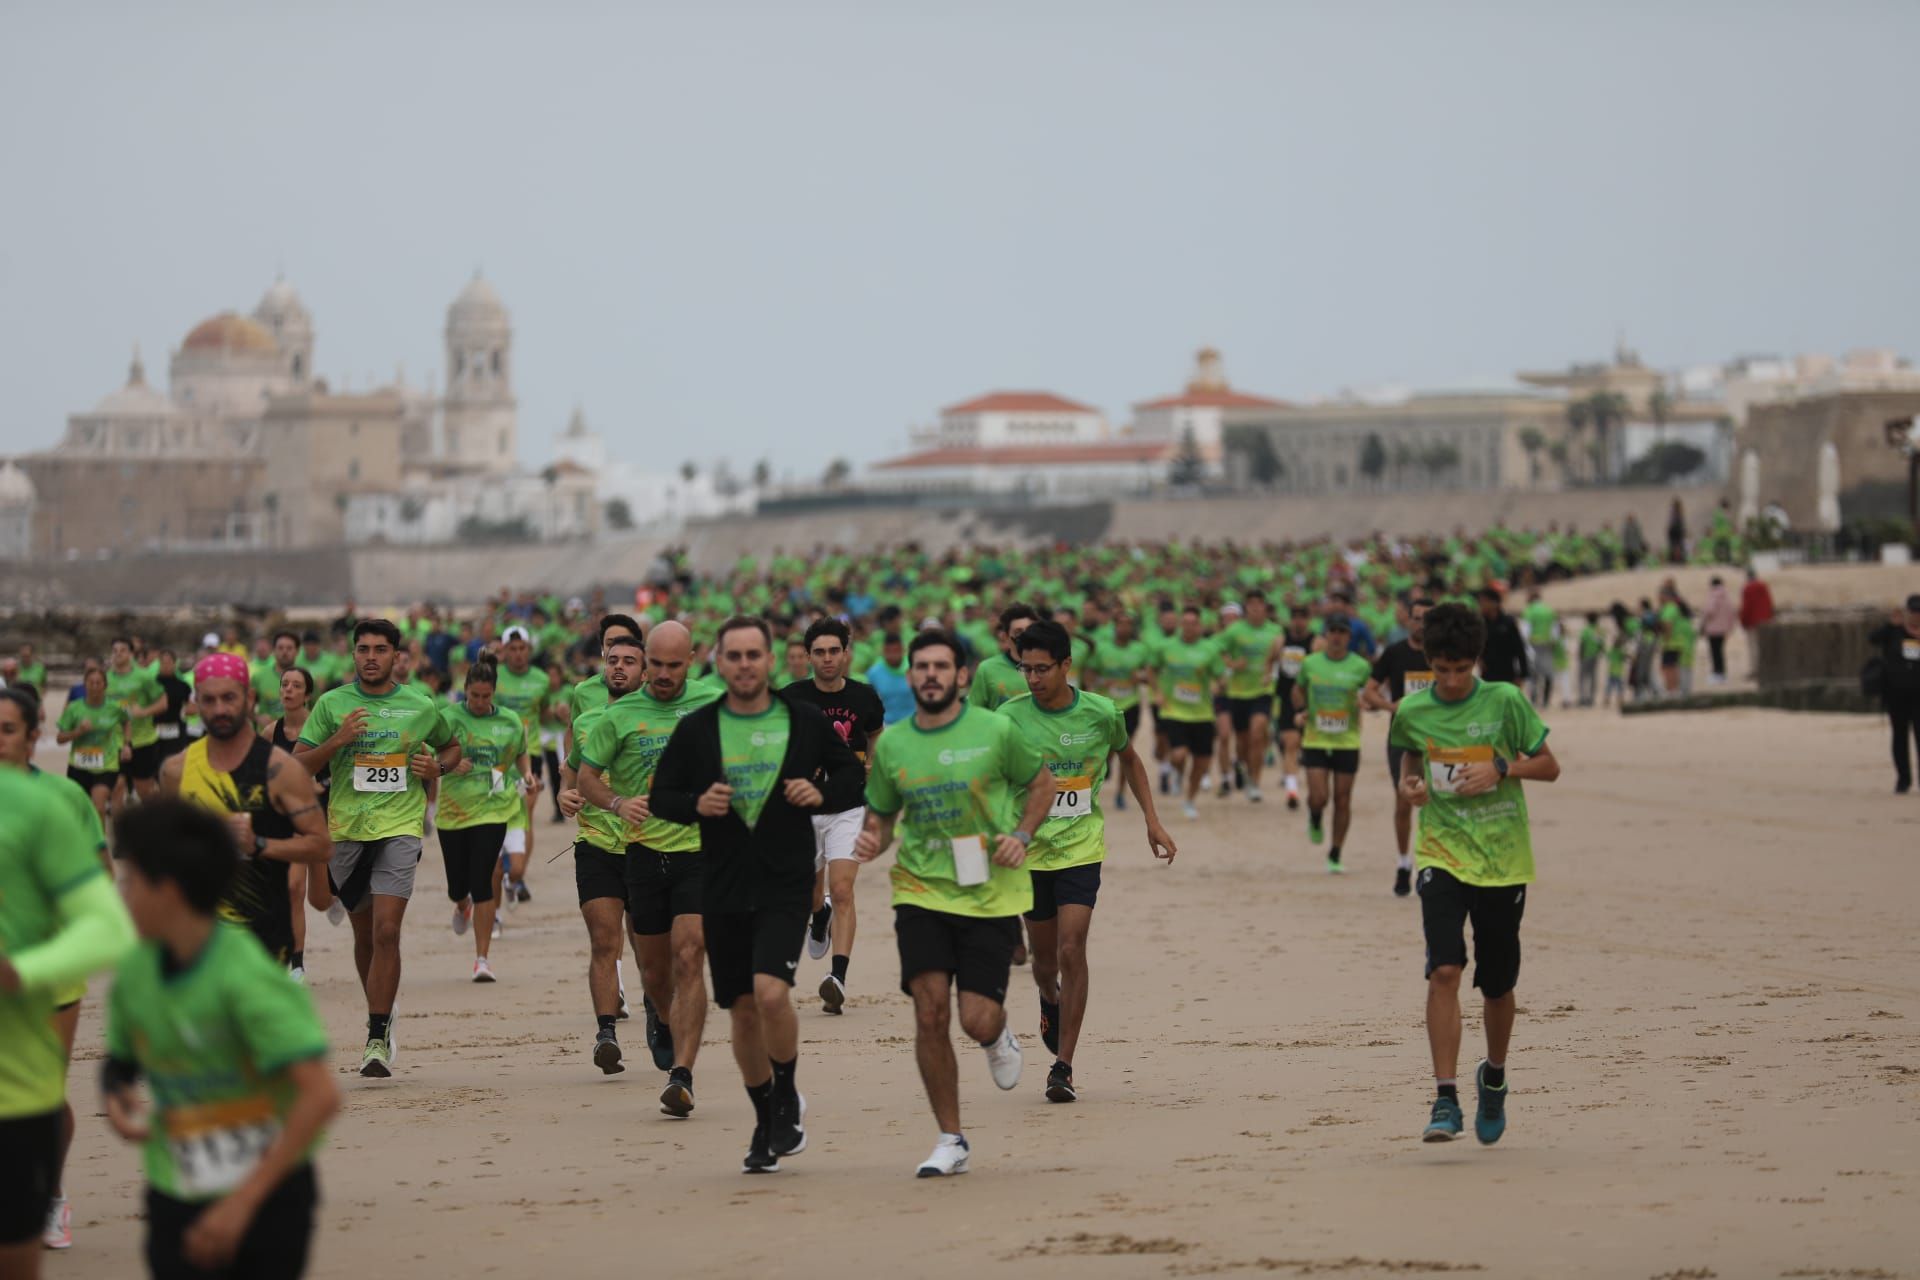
606	1052
676	1099
760	1157
786	1135
1060	1084
521	892
1402	881
1050	1025
659	1038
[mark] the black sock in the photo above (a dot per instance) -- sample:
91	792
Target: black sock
1313	816
683	1074
377	1026
606	1020
762	1097
783	1086
299	960
1493	1077
1450	1091
1333	853
840	967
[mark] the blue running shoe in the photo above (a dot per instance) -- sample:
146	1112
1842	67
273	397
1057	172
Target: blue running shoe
1490	1119
1444	1125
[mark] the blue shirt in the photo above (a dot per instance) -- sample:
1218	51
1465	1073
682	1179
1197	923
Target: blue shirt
895	690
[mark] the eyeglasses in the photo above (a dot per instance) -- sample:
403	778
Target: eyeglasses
1036	668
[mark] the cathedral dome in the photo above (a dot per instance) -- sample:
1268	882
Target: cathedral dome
16	490
478	306
230	331
136	399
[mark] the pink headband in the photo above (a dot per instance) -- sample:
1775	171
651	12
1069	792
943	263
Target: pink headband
221	666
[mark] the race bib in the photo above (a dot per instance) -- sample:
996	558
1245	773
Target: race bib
91	759
1290	660
1910	650
379	771
1187	693
497	780
1418	680
1331	721
1073	798
970	866
1445	765
215	1147
167	732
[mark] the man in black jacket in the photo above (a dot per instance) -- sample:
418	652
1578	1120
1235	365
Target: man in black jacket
1505	657
752	770
1899	644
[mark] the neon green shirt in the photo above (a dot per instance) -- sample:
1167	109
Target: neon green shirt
1114	671
34	677
598	828
374	793
1249	645
214	1041
1480	840
525	695
958	781
625	745
997	679
751	750
490	792
98	749
137	688
1075	743
1331	721
1188	674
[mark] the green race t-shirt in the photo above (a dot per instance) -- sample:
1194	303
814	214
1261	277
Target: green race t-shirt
137	688
1540	622
1187	675
266	691
1248	645
98	749
1074	743
1485	839
625	745
590	694
374	793
997	679
751	750
44	854
490	792
1113	671
1331	720
525	695
960	781
214	1041
598	828
34	677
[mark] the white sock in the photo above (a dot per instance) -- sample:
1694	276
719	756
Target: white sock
1293	783
1406	862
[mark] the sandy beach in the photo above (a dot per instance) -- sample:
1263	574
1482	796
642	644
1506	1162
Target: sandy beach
1716	1069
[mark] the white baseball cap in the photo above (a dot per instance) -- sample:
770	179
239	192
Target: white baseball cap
516	633
211	640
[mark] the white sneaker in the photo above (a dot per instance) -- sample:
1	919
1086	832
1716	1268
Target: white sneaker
1206	782
1189	810
337	913
298	975
482	971
948	1158
1253	795
498	929
1003	1059
58	1233
462	917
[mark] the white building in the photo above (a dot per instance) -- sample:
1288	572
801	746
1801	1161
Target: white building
1002	418
1205	408
16	513
555	506
656	500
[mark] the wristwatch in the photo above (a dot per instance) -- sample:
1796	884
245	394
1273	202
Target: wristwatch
259	846
1025	838
1500	765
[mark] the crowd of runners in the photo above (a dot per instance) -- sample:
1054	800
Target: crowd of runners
729	752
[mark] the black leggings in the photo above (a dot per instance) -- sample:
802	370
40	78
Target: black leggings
552	760
470	854
1717	646
1904	710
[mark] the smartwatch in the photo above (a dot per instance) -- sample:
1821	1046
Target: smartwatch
259	846
1500	765
1025	838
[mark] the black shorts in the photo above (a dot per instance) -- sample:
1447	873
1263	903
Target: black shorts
1068	887
976	951
88	779
1288	717
144	766
274	1248
471	853
661	886
1339	760
1394	756
741	944
1131	718
1192	736
1222	704
1243	710
1446	904
28	1174
599	874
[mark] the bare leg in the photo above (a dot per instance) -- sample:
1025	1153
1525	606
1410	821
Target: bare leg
297	901
779	1025
1316	794
605	919
1443	1020
749	1047
362	922
383	971
1253	748
1045	935
840	877
1342	806
1499	1018
655	952
1199	771
483	913
933	1047
1075	922
689	994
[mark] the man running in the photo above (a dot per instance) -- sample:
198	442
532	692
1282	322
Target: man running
1470	743
1328	698
1188	667
267	802
1246	649
857	715
1075	733
1401	669
1117	667
522	689
753	770
998	677
949	778
382	743
1290	652
662	868
140	696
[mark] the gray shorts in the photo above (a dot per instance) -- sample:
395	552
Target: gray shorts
386	866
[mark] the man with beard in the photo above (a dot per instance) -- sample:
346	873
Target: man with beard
269	803
949	778
383	744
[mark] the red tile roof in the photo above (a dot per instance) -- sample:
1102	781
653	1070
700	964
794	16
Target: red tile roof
1213	400
1018	402
1033	455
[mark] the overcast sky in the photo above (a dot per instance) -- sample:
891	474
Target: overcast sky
795	229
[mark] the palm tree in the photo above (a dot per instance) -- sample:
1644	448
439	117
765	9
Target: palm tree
1533	440
1608	410
1660	408
1402	459
1579	414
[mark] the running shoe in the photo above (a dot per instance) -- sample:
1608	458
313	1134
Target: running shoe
58	1233
760	1157
676	1099
623	1015
606	1052
1206	782
482	971
948	1158
521	893
1003	1059
298	973
787	1135
1189	809
1444	1124
1402	881
336	913
1050	1025
1253	795
1490	1117
1293	800
833	994
1335	867
1120	798
1060	1084
818	932
1315	832
659	1037
1239	776
462	917
1166	781
376	1060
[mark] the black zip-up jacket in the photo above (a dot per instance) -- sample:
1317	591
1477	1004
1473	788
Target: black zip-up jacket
1505	657
771	863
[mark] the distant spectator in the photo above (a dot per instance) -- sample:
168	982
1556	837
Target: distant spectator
1504	660
1677	534
1756	611
1633	542
1899	644
1717	621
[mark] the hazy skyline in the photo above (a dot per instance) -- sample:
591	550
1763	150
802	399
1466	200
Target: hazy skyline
795	230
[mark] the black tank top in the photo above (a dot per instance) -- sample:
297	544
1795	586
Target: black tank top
258	896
